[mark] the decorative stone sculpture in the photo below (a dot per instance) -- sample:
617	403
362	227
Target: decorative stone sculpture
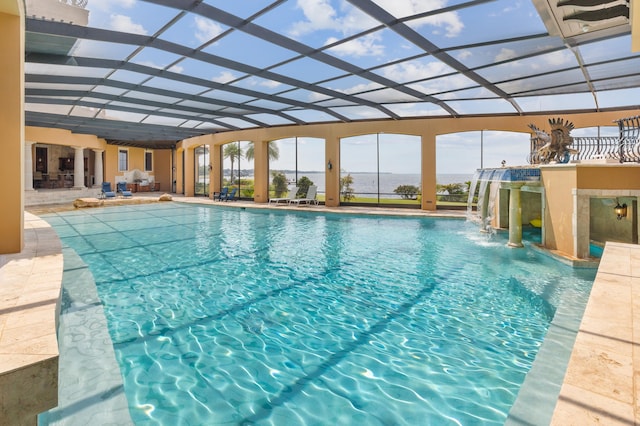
556	146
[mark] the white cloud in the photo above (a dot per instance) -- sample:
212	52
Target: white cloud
454	82
107	5
413	70
150	64
358	88
464	54
320	15
270	84
177	69
317	97
558	58
450	21
364	46
224	77
206	29
125	24
505	54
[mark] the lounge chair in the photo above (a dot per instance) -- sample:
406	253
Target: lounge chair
231	195
220	196
293	191
121	188
107	192
308	199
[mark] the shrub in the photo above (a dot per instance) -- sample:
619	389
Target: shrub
279	181
303	185
407	192
345	188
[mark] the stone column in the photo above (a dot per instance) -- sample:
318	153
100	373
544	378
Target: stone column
28	165
189	172
515	216
581	223
78	168
12	161
97	168
332	176
428	144
261	171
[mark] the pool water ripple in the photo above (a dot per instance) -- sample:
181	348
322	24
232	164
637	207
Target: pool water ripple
239	317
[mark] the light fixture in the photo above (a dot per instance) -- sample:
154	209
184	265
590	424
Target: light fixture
620	210
329	165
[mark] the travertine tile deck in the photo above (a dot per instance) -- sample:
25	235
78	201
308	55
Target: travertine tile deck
30	283
601	386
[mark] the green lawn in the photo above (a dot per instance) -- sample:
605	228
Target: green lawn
373	200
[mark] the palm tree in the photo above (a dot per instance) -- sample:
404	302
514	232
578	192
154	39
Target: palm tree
232	151
274	151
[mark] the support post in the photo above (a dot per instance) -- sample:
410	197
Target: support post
97	168
78	168
515	216
581	222
12	125
261	171
28	165
332	174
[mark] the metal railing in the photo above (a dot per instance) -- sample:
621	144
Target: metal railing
625	148
629	139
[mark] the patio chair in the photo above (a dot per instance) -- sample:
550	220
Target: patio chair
231	195
220	196
121	188
293	191
308	199
107	192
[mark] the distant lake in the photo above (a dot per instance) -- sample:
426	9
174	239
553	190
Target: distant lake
366	184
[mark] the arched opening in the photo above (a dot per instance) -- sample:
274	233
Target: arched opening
202	163
381	169
296	162
459	155
238	167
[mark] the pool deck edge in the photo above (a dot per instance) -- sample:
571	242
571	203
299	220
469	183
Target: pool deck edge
601	383
29	306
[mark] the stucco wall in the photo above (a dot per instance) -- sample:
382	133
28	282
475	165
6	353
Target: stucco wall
162	168
62	137
12	125
608	176
566	184
136	161
559	182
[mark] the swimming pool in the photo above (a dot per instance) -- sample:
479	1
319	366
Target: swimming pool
229	316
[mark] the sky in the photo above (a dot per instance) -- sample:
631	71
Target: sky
320	23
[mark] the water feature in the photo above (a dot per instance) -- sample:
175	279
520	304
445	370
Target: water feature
471	216
223	316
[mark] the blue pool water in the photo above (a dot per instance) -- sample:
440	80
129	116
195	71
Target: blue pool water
229	316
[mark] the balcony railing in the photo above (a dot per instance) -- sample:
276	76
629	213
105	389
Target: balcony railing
625	148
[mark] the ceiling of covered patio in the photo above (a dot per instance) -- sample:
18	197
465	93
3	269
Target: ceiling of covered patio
151	73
